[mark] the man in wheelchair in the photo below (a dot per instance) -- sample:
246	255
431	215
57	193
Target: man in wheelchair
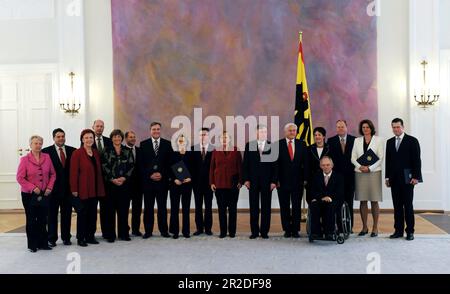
327	197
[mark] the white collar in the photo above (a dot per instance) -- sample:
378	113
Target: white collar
329	175
131	147
57	147
401	136
344	137
261	142
204	146
290	140
153	140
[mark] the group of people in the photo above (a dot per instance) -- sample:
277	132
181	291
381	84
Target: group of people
112	172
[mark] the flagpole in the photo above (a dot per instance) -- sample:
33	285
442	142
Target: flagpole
304	214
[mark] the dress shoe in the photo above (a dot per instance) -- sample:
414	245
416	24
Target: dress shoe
67	242
94	241
126	238
209	233
265	236
197	233
253	236
165	235
110	240
82	243
287	234
296	235
147	235
51	244
175	236
410	237
363	233
373	234
232	235
45	248
396	235
187	236
32	250
221	236
137	234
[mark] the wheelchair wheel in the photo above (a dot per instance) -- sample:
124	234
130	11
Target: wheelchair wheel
340	239
346	220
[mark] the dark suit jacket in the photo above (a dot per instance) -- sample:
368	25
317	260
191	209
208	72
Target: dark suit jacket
135	179
200	168
335	188
177	157
343	161
106	141
148	160
314	160
292	173
259	173
62	183
407	157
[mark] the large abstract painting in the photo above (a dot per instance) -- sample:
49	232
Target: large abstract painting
239	57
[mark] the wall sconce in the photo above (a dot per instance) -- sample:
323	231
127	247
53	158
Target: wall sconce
71	106
425	97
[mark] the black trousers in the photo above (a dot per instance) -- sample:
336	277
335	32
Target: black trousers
402	198
59	204
259	196
160	195
136	209
322	217
204	221
177	193
290	218
117	203
36	223
227	200
87	219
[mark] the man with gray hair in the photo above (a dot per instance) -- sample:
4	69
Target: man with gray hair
327	193
291	166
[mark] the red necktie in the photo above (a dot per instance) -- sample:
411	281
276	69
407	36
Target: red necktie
62	156
291	151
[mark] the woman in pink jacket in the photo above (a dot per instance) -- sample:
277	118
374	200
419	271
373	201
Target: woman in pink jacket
36	177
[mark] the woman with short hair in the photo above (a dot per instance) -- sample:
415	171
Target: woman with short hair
36	176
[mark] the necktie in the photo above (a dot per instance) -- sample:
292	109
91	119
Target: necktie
327	178
99	145
156	147
397	143
203	153
291	150
343	145
62	156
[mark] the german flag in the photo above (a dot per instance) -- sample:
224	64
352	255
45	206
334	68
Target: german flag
302	106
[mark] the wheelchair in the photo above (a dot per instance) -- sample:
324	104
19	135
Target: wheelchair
339	235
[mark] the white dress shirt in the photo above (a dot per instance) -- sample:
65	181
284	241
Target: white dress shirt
63	149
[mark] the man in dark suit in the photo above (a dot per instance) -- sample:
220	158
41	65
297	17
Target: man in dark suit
155	171
341	147
327	194
291	169
60	199
403	172
101	142
259	176
202	153
135	185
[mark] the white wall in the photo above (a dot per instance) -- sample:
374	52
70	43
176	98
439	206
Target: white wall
444	24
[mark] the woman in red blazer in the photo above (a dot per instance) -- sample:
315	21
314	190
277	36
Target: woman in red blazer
86	183
225	178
